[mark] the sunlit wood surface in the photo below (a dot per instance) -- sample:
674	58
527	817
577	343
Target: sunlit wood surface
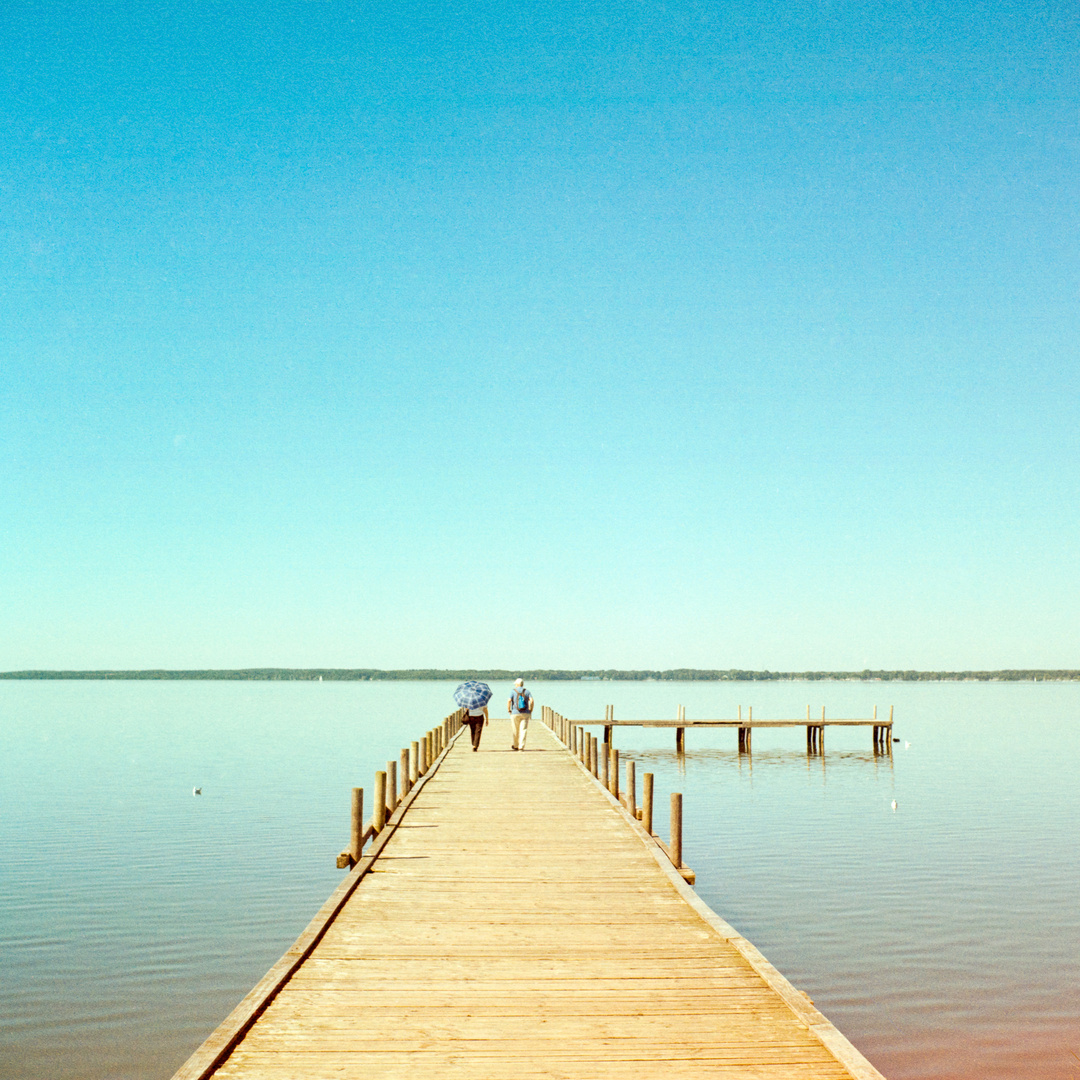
516	926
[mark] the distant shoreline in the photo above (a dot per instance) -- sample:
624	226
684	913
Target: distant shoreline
557	675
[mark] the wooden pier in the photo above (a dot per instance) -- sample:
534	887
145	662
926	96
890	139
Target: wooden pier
815	727
513	918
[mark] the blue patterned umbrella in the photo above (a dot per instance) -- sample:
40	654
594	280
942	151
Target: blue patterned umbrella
472	694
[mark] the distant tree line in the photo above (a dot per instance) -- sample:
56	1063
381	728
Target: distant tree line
558	674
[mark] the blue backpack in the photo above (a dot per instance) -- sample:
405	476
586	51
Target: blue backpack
521	700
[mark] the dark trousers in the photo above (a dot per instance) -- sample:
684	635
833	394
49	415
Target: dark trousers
476	725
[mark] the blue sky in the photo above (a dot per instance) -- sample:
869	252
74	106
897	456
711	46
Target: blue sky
713	335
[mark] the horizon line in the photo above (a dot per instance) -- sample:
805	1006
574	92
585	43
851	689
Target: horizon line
547	674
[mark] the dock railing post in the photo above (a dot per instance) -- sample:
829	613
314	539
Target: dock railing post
613	772
356	833
391	787
594	765
403	768
631	788
414	763
605	753
378	809
676	829
646	801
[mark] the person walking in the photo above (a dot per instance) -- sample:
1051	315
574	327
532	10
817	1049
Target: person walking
520	707
477	719
472	697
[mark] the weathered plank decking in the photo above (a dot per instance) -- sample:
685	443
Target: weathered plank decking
517	924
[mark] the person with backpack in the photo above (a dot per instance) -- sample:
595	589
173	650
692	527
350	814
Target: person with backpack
520	707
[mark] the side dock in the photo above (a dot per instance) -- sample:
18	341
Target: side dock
514	919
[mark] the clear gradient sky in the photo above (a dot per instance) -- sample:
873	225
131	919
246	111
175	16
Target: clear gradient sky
400	334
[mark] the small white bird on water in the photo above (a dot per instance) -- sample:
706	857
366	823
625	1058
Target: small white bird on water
196	791
894	805
907	745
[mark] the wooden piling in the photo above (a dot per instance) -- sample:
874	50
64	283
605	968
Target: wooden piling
391	787
605	754
378	809
403	768
631	788
356	832
613	772
676	829
414	763
647	802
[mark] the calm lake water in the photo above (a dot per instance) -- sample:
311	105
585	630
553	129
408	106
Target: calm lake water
942	937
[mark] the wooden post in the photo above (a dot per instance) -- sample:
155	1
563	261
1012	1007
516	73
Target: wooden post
631	788
646	801
604	755
680	740
421	758
378	809
391	787
676	829
414	763
356	835
403	768
594	757
613	772
608	734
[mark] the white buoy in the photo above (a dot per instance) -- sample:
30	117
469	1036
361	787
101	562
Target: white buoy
894	805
